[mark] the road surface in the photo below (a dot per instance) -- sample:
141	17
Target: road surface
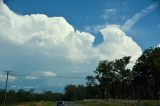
72	104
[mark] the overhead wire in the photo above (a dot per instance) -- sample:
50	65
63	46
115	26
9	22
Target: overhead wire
47	76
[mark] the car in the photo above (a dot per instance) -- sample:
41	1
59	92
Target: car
60	103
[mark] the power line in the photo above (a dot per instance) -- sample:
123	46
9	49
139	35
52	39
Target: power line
48	76
25	75
7	73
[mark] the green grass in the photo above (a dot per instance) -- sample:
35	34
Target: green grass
41	103
150	103
108	103
104	104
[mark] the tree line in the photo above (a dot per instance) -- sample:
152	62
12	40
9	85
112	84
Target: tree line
28	95
112	79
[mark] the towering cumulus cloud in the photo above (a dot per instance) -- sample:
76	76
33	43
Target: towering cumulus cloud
54	37
118	44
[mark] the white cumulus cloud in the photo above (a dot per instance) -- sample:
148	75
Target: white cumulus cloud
30	87
4	77
48	73
41	74
31	77
118	44
53	39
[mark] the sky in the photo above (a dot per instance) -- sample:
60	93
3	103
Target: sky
42	40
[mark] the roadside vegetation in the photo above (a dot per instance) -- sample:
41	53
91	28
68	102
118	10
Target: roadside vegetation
120	103
40	103
115	80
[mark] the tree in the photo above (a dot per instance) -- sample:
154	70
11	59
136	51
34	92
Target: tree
70	92
92	87
104	74
112	76
2	93
91	81
147	73
24	95
123	74
11	97
81	92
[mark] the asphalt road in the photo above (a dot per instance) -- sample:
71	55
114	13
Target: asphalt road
72	104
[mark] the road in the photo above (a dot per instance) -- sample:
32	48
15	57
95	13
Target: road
72	104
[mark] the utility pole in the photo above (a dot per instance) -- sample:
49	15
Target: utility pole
5	96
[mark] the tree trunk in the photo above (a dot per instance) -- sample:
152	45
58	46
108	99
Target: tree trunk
156	92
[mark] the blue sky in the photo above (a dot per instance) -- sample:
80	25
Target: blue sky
68	37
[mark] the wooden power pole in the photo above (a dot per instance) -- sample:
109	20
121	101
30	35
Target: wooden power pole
5	96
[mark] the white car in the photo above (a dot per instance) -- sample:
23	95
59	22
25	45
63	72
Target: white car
60	103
